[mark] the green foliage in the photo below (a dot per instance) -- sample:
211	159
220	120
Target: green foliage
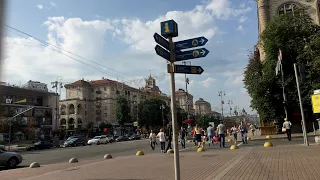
123	110
203	120
298	38
150	113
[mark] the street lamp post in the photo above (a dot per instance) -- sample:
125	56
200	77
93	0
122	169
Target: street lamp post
187	82
221	94
162	108
230	102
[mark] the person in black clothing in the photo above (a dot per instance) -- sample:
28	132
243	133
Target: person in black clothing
183	138
169	139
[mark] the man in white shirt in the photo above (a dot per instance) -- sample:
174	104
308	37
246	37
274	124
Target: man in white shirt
287	125
153	139
221	128
162	139
210	133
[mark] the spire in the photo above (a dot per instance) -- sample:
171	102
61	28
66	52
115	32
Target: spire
150	73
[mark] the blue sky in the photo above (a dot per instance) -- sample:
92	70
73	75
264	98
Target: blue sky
118	35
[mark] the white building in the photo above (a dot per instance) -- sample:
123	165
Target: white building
36	85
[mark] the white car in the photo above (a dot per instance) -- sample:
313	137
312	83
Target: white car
98	140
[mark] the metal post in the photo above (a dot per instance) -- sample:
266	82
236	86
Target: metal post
221	93
187	81
162	107
305	135
283	92
174	113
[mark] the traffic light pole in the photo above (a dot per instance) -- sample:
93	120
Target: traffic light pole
173	112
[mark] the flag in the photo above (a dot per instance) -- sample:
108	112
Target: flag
21	101
279	64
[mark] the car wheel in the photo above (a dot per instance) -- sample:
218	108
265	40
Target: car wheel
84	144
12	162
98	143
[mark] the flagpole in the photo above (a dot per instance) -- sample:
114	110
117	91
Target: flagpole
283	92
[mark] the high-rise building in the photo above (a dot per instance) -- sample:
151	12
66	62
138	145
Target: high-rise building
267	9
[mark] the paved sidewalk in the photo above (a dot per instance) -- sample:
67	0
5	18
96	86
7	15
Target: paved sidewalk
278	162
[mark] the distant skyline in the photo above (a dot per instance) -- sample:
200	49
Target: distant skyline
120	38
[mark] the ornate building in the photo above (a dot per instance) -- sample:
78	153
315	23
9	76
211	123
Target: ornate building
270	8
202	107
181	97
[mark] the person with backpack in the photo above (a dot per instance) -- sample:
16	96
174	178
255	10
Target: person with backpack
243	131
183	138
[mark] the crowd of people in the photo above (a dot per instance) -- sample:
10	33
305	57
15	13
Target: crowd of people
201	136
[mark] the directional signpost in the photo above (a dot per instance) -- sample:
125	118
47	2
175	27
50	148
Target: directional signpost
191	43
192	54
169	29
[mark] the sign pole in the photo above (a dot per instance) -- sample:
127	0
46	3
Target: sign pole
305	135
174	113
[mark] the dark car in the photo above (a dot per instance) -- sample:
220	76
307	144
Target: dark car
135	137
40	145
122	138
75	142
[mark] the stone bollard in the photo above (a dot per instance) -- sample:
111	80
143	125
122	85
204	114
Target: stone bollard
317	139
268	144
107	156
34	165
201	149
268	137
170	151
229	140
139	153
73	160
233	147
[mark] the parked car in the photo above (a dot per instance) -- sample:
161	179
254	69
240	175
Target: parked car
98	140
40	145
9	159
75	142
110	138
77	136
135	137
2	147
122	138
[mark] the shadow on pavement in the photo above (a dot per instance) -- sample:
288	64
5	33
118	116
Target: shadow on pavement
18	167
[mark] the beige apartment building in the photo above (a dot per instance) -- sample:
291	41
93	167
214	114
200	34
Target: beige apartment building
95	101
202	107
270	8
181	97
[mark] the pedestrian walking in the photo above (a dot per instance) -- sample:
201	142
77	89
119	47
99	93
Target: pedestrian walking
210	134
234	131
287	128
169	139
197	132
243	132
162	140
253	129
182	138
221	130
153	139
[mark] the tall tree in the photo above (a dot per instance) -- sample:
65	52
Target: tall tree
123	110
298	38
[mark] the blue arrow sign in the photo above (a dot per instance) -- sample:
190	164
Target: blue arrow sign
162	52
191	43
161	40
192	54
187	69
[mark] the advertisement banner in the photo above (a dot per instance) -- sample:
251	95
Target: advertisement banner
315	99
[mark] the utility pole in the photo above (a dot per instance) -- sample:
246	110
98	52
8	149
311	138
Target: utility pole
230	102
221	94
162	108
57	84
304	128
187	82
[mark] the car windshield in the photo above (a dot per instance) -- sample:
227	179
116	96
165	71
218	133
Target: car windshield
97	137
71	140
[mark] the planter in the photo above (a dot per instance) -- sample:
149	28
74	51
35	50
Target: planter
268	130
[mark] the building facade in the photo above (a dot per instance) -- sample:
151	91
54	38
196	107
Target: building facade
182	98
36	85
270	8
202	107
42	118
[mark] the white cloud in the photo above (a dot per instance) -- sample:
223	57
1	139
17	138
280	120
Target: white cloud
39	6
240	28
53	4
234	81
222	9
207	82
243	19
